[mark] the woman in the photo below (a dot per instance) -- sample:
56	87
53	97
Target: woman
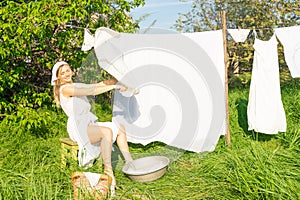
92	137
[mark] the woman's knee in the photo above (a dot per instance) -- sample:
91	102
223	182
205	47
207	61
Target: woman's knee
108	134
122	130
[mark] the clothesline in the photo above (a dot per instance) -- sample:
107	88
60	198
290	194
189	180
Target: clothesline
257	28
252	28
79	27
269	28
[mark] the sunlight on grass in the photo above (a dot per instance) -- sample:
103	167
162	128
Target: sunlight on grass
255	166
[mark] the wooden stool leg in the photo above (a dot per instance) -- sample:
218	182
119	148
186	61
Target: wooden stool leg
69	150
64	152
74	153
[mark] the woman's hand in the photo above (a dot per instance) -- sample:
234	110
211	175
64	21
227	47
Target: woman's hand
121	88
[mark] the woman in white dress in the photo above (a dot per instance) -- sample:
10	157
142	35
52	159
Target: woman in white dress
92	137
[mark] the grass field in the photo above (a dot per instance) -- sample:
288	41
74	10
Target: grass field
255	166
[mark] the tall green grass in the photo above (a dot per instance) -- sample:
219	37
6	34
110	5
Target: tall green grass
255	166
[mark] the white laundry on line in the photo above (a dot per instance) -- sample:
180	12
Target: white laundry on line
181	82
265	109
239	35
290	39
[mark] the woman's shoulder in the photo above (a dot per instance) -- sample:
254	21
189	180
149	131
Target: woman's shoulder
79	85
70	87
66	85
84	85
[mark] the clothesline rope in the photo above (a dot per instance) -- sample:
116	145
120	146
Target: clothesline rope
252	28
268	28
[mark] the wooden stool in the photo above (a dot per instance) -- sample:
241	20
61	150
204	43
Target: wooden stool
69	150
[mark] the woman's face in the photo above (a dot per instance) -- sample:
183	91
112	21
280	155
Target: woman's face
65	74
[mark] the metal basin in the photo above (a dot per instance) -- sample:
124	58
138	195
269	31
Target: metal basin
146	169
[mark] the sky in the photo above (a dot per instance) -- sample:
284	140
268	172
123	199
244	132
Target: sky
165	12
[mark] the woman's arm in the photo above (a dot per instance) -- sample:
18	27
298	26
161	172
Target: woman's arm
110	81
87	89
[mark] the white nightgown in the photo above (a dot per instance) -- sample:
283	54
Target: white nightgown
265	109
79	117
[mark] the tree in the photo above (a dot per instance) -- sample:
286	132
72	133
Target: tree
255	14
34	34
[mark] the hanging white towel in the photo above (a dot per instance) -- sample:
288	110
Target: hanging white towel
239	35
290	39
265	109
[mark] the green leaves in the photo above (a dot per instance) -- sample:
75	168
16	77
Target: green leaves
34	35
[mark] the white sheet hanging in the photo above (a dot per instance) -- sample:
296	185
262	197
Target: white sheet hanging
265	109
181	82
239	35
290	39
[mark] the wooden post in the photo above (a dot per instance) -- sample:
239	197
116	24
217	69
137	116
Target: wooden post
227	134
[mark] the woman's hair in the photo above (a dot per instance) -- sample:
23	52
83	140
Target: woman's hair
56	87
56	91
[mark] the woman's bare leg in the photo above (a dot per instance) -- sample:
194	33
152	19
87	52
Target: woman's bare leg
122	144
103	135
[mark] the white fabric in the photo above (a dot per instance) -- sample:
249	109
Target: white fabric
290	39
54	71
102	34
239	35
212	43
265	109
156	107
79	117
88	40
93	178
